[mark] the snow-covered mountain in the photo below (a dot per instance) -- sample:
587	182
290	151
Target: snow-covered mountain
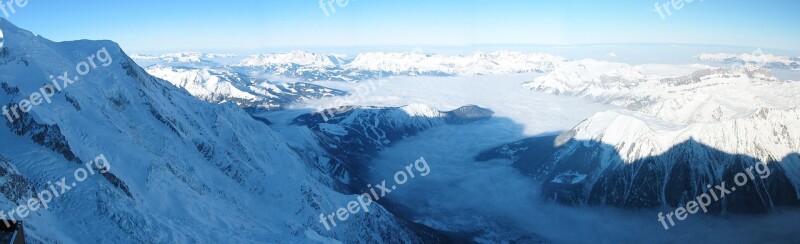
311	67
757	58
296	65
630	159
220	85
681	128
676	136
299	58
187	59
181	170
589	78
704	95
478	63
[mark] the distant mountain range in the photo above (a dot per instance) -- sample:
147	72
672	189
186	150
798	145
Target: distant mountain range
193	160
220	85
182	170
696	123
315	67
757	58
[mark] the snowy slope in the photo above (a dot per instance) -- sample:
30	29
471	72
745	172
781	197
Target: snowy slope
478	63
670	159
629	159
303	65
300	58
315	67
701	95
683	133
589	78
307	66
221	85
756	58
182	170
767	134
184	59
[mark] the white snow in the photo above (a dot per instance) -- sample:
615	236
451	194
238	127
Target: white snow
478	63
421	110
301	58
204	83
757	57
196	171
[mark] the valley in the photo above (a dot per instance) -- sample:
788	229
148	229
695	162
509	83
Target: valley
507	146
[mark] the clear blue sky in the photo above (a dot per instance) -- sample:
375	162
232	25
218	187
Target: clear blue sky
261	25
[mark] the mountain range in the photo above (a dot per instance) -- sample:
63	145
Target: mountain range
182	169
195	157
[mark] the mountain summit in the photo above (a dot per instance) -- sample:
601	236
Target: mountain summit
181	170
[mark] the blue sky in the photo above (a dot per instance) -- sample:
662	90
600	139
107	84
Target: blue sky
261	26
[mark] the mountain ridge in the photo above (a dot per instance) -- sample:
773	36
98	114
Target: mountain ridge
171	151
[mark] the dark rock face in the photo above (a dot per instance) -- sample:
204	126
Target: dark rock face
590	172
529	155
13	186
469	113
49	136
687	171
